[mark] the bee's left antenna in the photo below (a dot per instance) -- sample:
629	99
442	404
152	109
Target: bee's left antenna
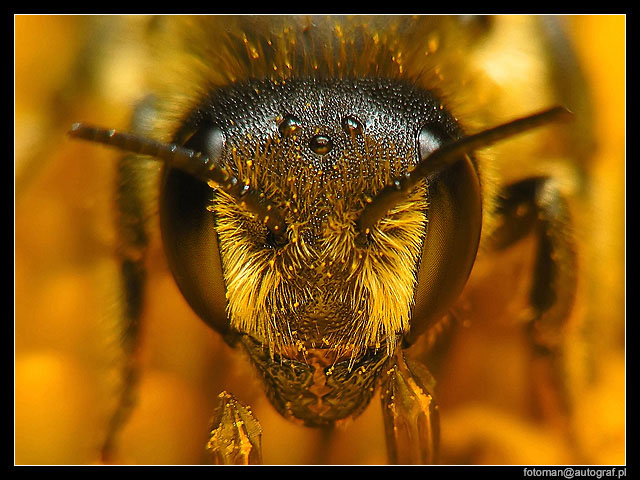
194	163
445	156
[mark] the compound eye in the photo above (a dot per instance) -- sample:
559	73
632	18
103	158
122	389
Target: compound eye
453	233
209	140
430	138
214	142
189	236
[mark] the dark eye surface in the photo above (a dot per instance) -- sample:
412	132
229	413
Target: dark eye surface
189	234
428	141
450	246
208	139
213	140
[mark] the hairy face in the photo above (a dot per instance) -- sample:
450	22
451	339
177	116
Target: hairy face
329	300
321	308
319	151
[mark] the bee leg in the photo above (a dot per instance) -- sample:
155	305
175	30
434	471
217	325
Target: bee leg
236	436
411	420
536	206
133	240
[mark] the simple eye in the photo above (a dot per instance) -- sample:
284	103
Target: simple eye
351	125
289	125
321	144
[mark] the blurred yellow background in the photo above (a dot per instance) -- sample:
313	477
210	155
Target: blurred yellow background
66	276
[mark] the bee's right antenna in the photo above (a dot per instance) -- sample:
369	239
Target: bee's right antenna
195	164
445	156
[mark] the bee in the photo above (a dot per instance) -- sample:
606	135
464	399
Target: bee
334	196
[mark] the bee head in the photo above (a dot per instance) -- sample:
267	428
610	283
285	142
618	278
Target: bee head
319	151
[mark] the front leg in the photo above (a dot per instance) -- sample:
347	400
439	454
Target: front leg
132	227
410	413
536	206
236	435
